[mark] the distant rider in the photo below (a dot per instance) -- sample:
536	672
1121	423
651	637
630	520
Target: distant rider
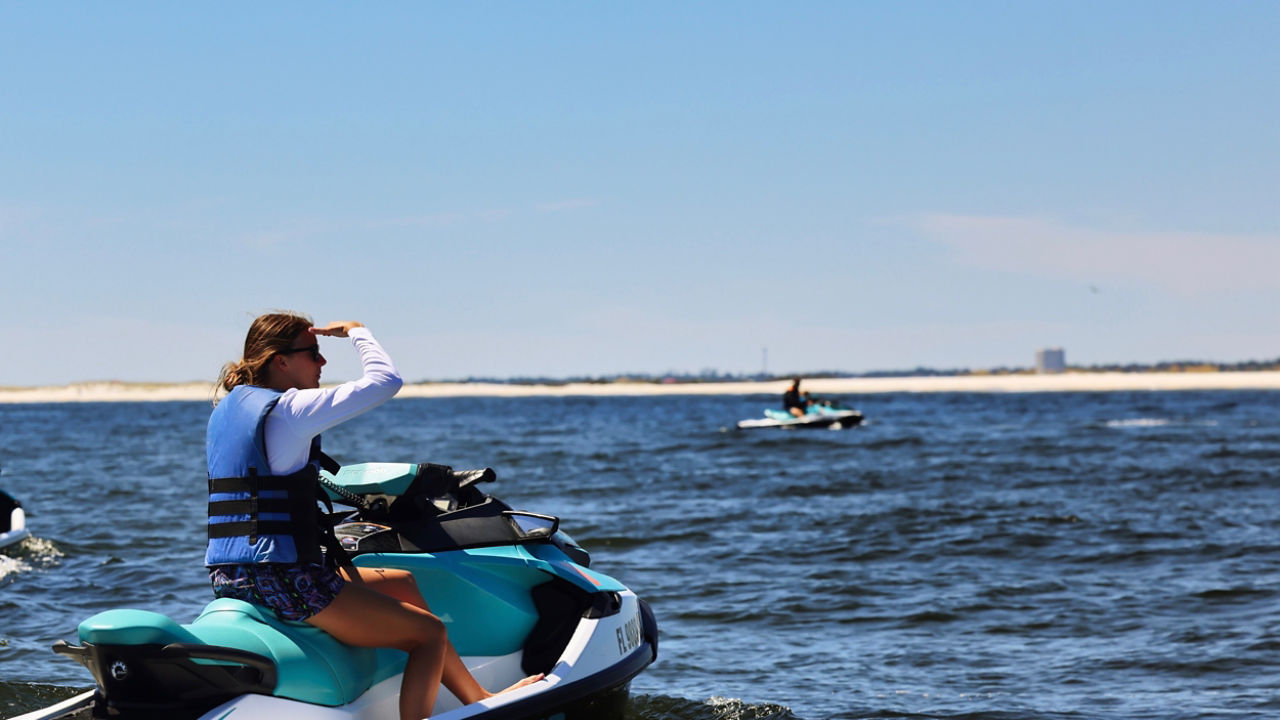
792	401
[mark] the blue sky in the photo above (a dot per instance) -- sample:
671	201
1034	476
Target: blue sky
591	188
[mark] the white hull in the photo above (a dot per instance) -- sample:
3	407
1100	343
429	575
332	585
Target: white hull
833	419
17	531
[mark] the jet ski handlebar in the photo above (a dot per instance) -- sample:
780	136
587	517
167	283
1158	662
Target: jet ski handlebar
467	478
441	480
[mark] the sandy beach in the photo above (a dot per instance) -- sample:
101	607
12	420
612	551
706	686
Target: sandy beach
111	391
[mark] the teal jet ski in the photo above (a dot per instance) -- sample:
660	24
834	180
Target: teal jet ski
815	416
517	595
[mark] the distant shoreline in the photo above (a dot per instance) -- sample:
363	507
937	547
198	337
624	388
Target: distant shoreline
112	391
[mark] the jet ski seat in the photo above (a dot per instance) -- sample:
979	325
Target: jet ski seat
311	665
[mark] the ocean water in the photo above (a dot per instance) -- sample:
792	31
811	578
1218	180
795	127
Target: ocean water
981	556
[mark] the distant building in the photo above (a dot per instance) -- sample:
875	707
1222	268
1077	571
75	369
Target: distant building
1051	360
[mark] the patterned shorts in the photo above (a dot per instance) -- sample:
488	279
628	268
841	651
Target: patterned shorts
293	592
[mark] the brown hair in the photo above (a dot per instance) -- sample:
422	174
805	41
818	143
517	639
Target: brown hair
268	335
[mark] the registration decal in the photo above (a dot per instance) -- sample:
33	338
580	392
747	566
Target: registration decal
629	635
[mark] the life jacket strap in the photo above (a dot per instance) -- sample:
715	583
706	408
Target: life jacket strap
326	463
252	483
335	554
241	528
252	506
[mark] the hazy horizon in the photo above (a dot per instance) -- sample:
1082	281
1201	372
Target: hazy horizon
713	375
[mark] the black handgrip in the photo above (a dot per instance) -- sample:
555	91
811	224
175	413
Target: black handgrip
440	480
467	478
194	651
62	647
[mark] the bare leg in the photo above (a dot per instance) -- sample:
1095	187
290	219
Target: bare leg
400	625
399	584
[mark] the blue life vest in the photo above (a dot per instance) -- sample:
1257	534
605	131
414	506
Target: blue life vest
254	516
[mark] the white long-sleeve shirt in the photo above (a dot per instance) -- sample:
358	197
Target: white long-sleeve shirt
300	415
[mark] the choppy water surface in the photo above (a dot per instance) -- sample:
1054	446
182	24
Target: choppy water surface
982	556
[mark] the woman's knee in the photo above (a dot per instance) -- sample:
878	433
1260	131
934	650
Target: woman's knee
429	630
395	583
404	580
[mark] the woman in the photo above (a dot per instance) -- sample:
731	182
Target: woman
265	534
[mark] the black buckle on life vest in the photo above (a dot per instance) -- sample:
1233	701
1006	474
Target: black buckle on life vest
253	502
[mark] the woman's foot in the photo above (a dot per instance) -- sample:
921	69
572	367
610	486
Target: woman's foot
527	681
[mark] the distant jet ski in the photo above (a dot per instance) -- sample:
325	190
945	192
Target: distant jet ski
817	416
13	521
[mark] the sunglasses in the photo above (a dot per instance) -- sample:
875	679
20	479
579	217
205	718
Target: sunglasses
313	349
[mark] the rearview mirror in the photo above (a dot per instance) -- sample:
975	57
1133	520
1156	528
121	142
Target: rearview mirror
533	526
